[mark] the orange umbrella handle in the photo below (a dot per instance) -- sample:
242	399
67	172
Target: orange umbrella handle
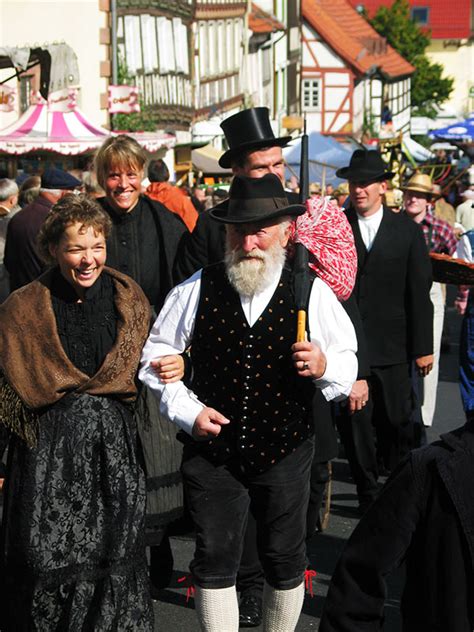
301	326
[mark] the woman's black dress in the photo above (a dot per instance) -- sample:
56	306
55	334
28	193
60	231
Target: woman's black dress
73	548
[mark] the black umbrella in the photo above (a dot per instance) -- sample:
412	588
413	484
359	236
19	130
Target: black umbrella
301	278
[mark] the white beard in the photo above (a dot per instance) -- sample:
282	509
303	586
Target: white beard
251	273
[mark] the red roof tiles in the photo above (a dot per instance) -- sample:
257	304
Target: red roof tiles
352	37
446	20
262	22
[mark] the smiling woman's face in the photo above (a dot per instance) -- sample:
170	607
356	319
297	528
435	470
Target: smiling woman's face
80	255
123	187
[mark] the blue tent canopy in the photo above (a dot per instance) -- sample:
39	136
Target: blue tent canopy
325	156
462	131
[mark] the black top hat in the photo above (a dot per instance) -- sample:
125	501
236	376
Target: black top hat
255	200
249	129
365	166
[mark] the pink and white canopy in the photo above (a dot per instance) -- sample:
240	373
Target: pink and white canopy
66	133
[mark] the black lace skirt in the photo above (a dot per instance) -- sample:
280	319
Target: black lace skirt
73	555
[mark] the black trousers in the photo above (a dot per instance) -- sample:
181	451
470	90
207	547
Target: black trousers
250	577
390	412
219	497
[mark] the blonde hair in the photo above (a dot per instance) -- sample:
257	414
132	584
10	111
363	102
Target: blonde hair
118	152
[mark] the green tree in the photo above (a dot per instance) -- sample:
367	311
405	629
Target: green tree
139	121
428	86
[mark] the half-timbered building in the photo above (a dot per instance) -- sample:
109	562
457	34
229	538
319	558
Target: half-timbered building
155	48
451	28
350	75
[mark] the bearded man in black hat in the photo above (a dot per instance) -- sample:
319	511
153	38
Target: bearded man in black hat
246	417
254	151
392	291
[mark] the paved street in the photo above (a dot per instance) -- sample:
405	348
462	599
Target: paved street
172	613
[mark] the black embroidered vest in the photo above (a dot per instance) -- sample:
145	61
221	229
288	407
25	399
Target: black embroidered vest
247	373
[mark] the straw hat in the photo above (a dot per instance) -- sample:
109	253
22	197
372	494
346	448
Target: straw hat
420	182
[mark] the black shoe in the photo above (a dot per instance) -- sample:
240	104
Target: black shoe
250	611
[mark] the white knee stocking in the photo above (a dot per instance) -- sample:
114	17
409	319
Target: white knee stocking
217	609
282	608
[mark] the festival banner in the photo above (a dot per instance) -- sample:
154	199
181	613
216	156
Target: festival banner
64	100
7	98
123	99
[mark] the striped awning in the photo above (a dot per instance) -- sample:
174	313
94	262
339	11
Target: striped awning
66	133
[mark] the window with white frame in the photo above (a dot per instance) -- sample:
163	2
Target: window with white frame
181	45
267	69
237	43
150	50
311	94
133	43
212	48
203	49
166	56
229	48
221	62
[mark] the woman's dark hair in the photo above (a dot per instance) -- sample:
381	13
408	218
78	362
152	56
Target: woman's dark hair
71	209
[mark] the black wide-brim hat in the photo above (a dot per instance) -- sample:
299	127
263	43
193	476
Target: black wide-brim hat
365	166
255	200
247	130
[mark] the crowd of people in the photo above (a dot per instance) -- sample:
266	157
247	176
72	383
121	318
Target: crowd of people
167	365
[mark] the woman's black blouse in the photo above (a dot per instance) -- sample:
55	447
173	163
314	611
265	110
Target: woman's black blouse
87	330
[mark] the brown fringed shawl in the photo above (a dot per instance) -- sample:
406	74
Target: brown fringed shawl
35	372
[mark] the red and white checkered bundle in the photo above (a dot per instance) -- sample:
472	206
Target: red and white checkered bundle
327	235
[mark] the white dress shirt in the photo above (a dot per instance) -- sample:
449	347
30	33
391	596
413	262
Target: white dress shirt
369	226
330	327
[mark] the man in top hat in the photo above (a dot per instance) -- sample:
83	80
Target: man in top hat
439	237
392	290
254	151
247	413
21	257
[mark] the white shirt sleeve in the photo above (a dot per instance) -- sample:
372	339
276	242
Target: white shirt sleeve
463	249
332	331
171	334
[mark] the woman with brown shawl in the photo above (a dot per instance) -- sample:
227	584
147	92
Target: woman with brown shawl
70	342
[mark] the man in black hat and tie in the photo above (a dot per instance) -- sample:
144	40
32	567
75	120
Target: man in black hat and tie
392	291
246	417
